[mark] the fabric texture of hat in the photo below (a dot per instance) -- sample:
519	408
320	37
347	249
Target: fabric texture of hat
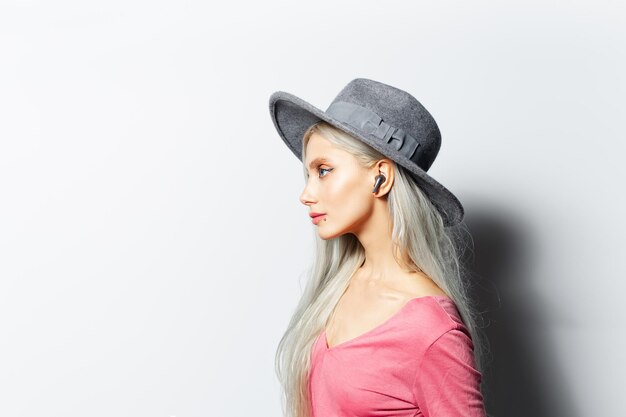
388	119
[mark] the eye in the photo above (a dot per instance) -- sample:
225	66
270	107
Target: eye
323	169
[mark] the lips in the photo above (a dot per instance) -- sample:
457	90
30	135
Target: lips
316	217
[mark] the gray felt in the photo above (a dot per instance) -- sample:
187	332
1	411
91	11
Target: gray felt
292	116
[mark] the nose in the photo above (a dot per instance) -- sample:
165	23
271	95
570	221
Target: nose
306	197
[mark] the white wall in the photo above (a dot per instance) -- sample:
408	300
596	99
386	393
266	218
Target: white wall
151	240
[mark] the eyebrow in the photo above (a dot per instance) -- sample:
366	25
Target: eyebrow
321	160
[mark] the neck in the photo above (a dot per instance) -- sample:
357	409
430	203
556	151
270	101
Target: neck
375	237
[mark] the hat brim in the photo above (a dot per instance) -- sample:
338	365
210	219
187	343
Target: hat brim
292	116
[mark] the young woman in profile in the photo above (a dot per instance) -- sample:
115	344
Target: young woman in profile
385	326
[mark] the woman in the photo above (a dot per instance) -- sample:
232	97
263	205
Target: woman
385	326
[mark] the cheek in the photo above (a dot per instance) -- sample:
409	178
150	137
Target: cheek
348	198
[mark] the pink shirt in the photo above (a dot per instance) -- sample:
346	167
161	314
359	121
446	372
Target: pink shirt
417	363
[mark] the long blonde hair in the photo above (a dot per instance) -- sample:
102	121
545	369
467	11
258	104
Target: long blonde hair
421	237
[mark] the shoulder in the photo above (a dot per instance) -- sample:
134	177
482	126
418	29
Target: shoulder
418	284
432	303
428	318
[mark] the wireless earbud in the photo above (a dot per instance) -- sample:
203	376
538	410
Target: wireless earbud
379	180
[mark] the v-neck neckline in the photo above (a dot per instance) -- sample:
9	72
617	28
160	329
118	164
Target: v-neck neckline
380	326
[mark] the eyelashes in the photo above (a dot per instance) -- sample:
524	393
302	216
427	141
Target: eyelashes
323	169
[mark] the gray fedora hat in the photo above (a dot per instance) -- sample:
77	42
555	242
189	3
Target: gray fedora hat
388	119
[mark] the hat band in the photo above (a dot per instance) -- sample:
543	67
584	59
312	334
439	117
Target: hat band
365	120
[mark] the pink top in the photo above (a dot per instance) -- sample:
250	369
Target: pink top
419	362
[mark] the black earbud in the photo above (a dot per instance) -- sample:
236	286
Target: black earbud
379	180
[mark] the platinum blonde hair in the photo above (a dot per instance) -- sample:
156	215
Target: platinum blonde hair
425	244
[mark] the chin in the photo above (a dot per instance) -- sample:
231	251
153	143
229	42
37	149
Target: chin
330	234
330	230
325	235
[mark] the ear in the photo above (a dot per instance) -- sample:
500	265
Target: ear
386	168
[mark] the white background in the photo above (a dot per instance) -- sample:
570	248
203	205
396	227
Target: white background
152	244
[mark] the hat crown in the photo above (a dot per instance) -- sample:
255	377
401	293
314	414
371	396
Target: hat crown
398	109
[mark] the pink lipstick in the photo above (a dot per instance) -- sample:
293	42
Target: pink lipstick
316	217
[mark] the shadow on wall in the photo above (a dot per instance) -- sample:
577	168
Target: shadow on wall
521	377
